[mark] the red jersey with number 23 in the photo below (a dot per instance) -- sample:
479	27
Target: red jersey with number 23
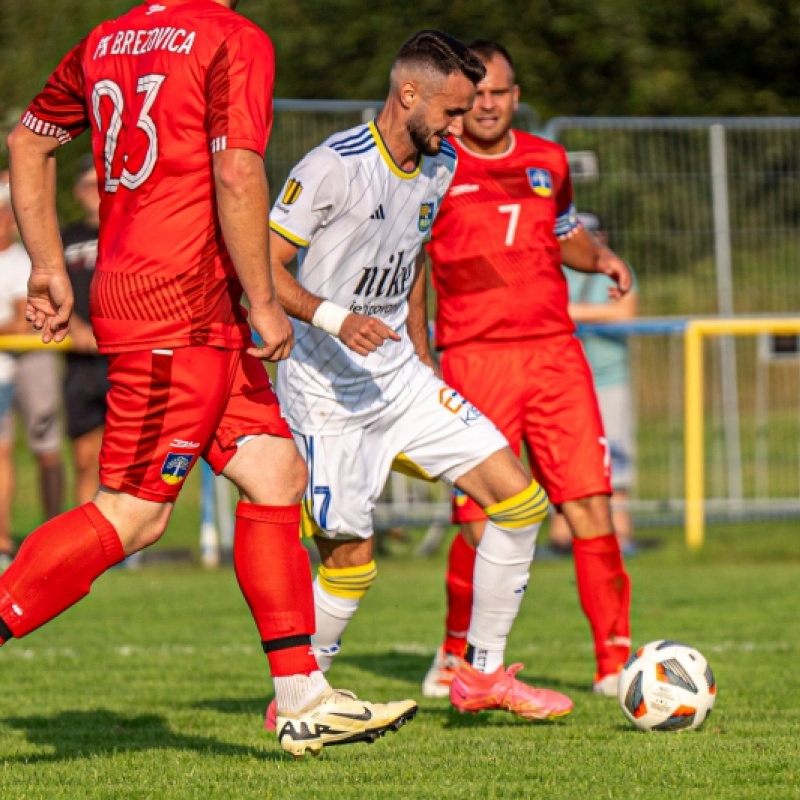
162	88
495	245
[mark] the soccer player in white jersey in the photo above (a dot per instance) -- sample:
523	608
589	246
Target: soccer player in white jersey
356	212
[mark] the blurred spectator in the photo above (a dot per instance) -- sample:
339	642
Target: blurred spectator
86	378
608	358
37	398
14	269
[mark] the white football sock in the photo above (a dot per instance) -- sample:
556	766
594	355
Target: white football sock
501	577
486	661
295	692
332	616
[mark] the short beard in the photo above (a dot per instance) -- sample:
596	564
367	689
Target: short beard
421	136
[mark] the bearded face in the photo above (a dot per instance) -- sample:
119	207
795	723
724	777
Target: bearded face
424	137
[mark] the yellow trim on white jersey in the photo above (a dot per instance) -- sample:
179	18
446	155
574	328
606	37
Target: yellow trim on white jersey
288	235
308	525
405	466
387	156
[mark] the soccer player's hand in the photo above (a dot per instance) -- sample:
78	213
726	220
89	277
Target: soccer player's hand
365	334
49	305
274	327
609	263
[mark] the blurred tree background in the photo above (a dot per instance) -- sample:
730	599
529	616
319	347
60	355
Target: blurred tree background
615	57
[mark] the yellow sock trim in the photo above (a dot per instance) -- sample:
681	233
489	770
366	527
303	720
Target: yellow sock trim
525	508
350	582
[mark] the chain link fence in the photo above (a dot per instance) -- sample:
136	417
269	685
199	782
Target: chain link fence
707	212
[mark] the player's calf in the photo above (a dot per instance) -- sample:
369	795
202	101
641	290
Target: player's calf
501	573
337	594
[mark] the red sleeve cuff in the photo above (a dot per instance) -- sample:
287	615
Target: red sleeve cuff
43	128
220	143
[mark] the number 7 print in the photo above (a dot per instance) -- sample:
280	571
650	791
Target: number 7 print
512	209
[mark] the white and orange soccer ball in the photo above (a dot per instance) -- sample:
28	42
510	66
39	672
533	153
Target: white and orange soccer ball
667	686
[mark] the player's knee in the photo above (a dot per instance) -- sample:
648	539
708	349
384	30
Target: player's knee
350	583
522	510
589	517
296	477
287	475
49	458
138	523
148	533
84	460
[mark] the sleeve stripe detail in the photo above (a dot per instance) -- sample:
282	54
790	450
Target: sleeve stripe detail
288	235
352	141
45	128
218	144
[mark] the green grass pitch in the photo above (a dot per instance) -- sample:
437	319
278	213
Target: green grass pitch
155	687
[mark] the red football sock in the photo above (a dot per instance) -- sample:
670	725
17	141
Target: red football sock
460	569
56	566
274	574
605	592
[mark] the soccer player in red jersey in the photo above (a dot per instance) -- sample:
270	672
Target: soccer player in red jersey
178	97
504	230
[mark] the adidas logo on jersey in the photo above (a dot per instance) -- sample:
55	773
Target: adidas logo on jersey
378	213
464	188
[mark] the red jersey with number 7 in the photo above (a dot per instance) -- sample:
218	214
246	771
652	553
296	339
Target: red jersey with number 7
162	88
495	245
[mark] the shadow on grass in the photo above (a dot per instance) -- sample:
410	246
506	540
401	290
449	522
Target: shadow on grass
413	667
454	720
408	667
245	706
85	734
398	666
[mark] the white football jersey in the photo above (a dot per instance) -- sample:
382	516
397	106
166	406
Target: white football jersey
360	222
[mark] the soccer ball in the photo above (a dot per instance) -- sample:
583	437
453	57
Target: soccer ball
667	686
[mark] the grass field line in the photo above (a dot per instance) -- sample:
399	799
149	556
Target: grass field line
169	650
124	651
728	646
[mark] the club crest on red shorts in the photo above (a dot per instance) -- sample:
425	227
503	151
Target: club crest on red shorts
175	467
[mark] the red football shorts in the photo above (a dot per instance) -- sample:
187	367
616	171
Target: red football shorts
539	392
167	408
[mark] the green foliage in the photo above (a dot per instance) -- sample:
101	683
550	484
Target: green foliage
618	57
573	57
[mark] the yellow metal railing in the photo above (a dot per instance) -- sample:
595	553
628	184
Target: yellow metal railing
696	330
24	342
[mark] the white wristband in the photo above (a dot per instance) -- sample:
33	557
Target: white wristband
329	317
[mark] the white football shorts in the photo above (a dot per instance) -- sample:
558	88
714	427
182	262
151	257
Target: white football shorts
434	432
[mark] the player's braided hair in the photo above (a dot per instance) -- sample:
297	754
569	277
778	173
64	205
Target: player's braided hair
441	53
486	50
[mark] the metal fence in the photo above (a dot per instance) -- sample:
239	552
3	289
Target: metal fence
707	212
